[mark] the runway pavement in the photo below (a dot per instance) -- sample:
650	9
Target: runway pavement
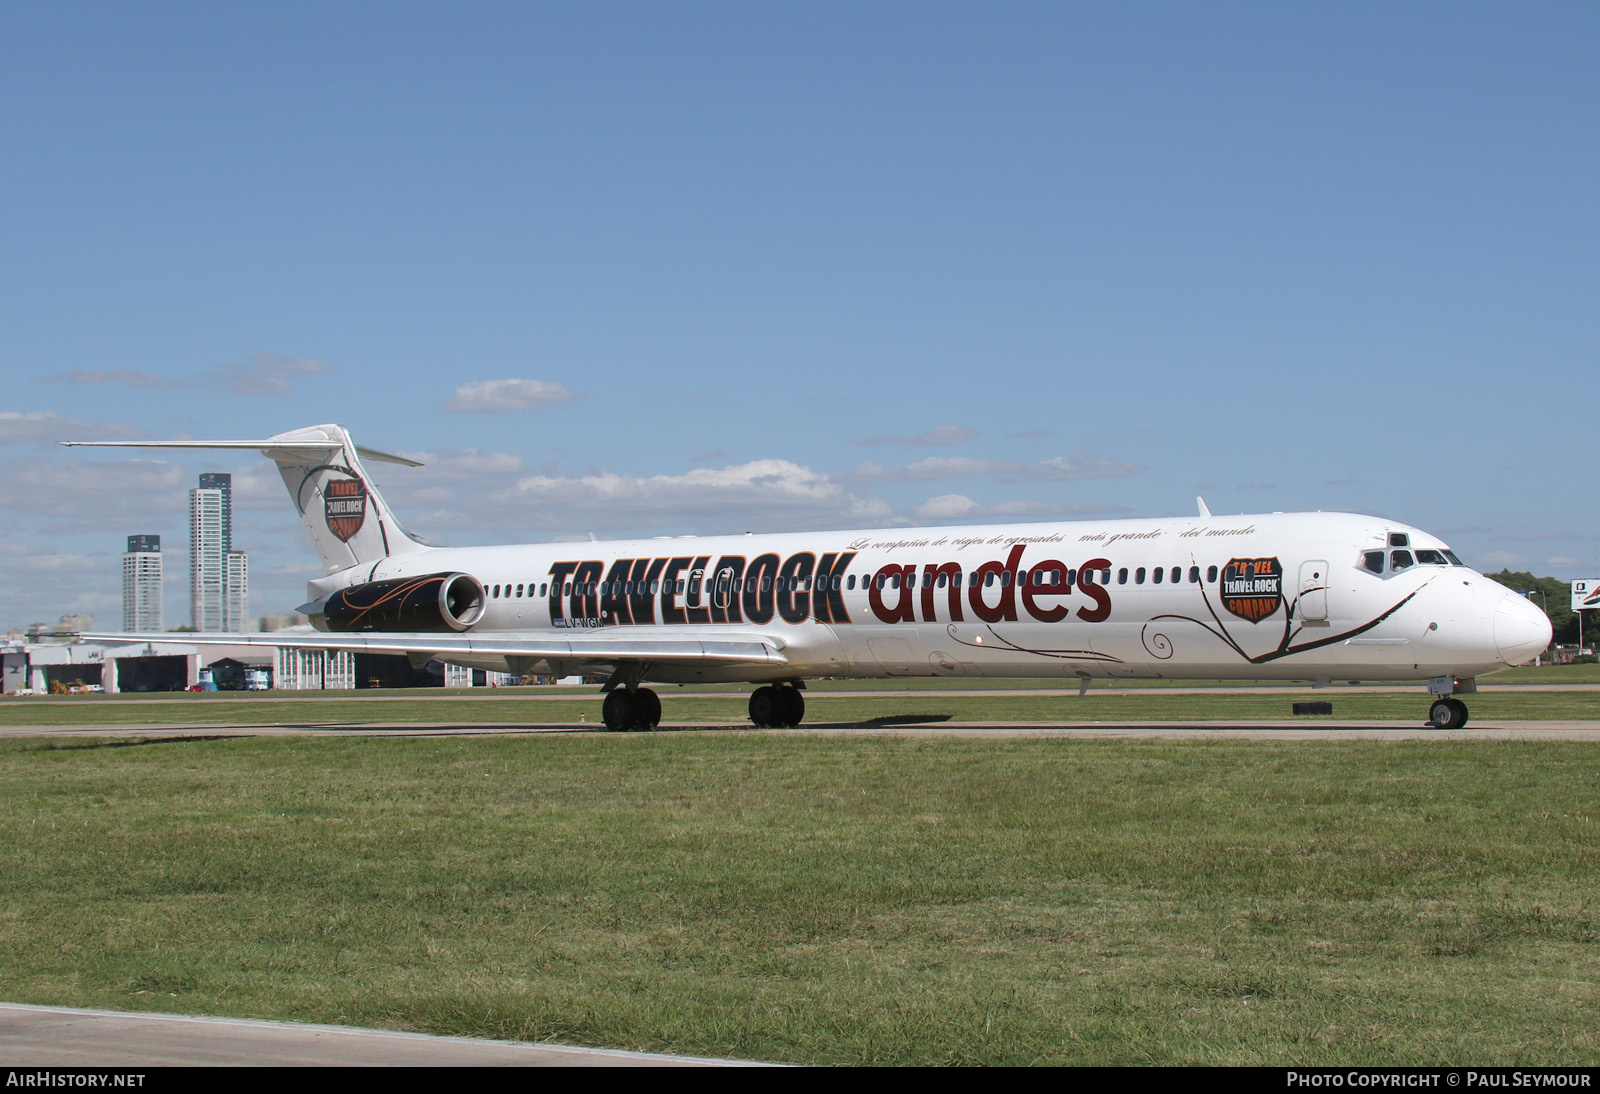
1284	730
63	1037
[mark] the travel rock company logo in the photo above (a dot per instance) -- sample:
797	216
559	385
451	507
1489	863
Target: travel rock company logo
345	505
1252	588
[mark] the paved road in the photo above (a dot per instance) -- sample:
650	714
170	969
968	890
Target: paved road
63	1037
1285	730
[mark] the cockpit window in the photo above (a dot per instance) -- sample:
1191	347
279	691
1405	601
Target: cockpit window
1399	539
1454	561
1429	557
1399	560
1372	560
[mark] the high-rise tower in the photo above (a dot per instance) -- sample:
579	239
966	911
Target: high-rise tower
141	584
236	605
220	604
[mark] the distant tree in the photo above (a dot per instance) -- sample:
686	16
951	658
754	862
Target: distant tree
1549	593
185	629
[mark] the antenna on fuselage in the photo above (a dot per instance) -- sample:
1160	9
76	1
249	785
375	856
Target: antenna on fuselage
1205	514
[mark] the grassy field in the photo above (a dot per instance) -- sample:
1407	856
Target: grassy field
544	706
848	900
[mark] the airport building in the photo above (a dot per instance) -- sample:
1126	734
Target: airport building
141	584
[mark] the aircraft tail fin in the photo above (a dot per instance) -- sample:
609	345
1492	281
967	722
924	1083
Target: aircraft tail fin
347	519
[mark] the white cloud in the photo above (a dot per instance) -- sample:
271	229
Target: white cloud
1505	560
465	464
265	374
770	494
959	507
43	425
945	507
80	377
95	494
493	396
943	434
1082	464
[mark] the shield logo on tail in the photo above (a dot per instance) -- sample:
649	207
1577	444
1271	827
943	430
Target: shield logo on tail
345	504
1252	588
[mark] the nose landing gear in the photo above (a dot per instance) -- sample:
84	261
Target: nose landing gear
1447	714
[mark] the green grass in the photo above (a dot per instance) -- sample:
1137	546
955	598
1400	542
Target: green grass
830	900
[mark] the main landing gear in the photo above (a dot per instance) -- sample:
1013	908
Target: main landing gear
777	706
639	708
772	706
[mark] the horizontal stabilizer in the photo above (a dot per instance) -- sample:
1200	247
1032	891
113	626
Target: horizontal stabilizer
268	444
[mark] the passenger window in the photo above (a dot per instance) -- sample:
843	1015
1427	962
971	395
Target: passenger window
1138	576
1122	576
1399	560
1211	575
1157	576
1194	575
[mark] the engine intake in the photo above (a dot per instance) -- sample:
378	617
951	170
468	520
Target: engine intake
431	603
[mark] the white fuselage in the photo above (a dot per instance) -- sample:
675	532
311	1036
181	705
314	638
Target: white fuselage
1279	596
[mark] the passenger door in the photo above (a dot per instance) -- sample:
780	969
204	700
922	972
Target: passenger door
1313	605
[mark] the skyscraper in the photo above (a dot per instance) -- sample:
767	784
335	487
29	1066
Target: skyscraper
141	584
218	581
236	568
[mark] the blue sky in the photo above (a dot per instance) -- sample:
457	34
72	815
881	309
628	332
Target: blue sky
644	268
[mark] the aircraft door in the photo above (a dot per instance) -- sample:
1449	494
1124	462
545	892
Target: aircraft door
1313	605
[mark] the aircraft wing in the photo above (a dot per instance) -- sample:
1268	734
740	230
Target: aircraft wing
595	647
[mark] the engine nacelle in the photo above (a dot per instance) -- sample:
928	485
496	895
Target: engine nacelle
429	604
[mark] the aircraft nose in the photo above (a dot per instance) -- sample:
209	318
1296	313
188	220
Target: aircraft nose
1521	630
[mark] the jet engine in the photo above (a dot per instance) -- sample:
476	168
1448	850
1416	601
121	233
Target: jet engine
431	603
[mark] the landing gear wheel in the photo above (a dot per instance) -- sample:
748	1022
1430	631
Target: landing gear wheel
639	709
618	711
1448	714
791	706
646	708
764	707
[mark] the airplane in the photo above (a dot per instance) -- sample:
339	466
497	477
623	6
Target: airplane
1279	596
